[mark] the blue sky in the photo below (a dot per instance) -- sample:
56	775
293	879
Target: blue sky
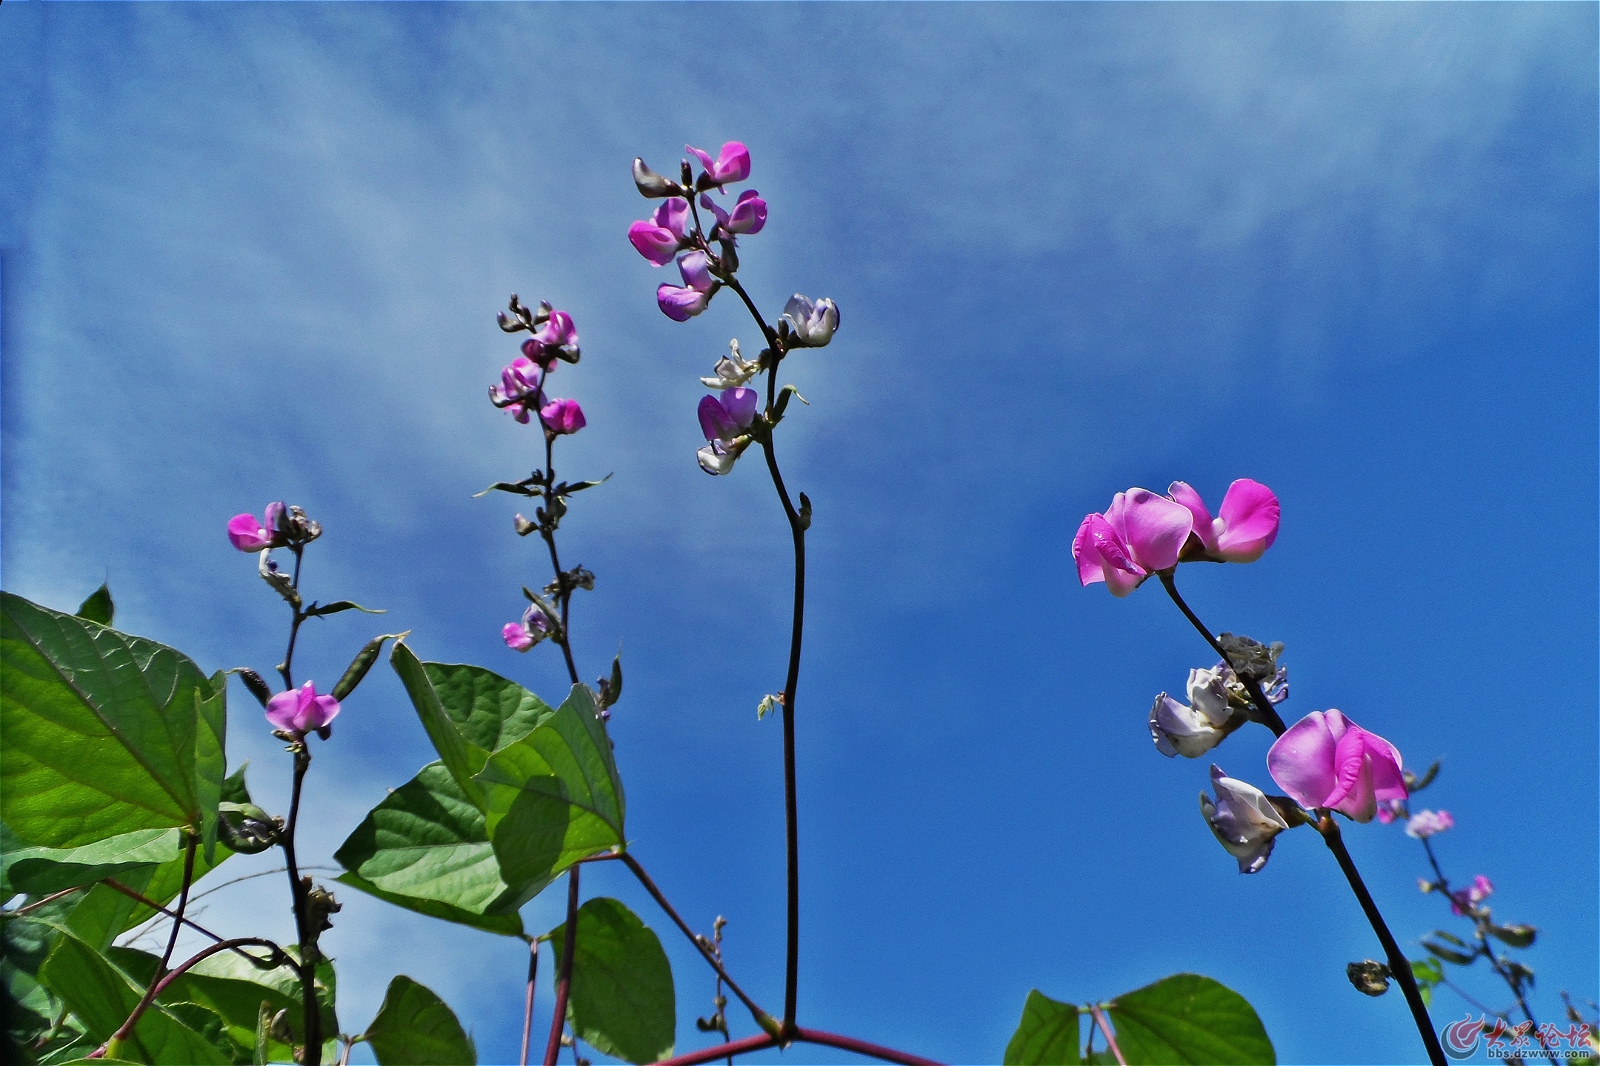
254	252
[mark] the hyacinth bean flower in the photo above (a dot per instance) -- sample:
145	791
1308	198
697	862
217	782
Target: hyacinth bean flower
732	164
534	627
562	416
1466	900
812	323
1326	760
659	237
519	388
1243	819
301	711
1139	534
682	302
558	331
1245	526
1425	824
723	420
749	214
1191	731
732	370
248	535
1389	810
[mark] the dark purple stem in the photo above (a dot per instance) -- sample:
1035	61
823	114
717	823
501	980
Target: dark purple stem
527	1006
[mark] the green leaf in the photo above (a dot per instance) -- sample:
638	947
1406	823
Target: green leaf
1187	1018
233	786
263	1028
99	606
1517	936
211	758
1459	958
102	998
101	730
488	711
1047	1034
414	1027
447	739
316	610
165	882
553	797
41	871
622	1002
235	988
426	847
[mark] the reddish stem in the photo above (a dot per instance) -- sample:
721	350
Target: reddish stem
564	976
1111	1041
527	1006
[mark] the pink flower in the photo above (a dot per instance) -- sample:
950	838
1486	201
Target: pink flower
1425	824
723	420
562	416
1389	810
519	388
557	331
1465	900
248	535
681	303
1138	534
747	216
534	627
1326	760
659	237
301	711
732	164
1245	527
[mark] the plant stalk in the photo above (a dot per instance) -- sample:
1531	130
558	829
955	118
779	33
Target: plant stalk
564	974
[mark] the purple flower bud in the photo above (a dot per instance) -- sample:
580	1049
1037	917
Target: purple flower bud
812	322
681	303
659	237
248	535
747	216
1243	819
562	416
301	711
732	164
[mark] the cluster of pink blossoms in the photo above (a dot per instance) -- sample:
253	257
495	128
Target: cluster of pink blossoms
1325	761
521	388
673	231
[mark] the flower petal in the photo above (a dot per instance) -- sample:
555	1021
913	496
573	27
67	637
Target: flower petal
1302	761
1155	528
1249	515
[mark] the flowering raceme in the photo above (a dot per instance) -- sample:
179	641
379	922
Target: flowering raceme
1245	526
1326	760
682	302
248	535
1243	819
301	711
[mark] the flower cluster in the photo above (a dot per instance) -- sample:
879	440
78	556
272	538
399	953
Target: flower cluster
674	227
1142	533
521	388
